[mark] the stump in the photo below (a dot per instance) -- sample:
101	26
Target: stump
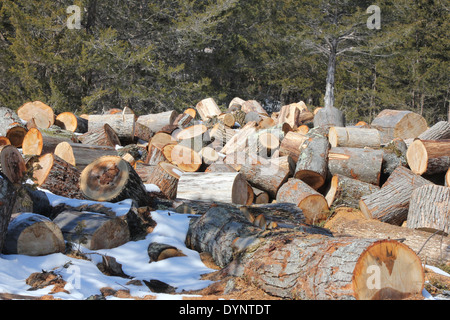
429	156
401	124
356	163
313	204
226	187
390	204
112	179
300	265
57	176
429	209
33	235
354	137
71	122
93	231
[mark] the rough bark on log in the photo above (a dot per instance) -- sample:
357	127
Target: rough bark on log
164	175
390	204
71	122
155	122
154	155
240	140
313	204
42	114
361	164
208	108
394	155
93	231
7	117
300	265
431	250
429	209
429	156
290	145
236	103
41	141
110	178
329	117
122	124
8	194
312	164
12	164
33	235
101	136
226	187
439	131
354	137
261	196
401	124
58	176
346	192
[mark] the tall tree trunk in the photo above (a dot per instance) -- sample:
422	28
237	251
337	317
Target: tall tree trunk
331	70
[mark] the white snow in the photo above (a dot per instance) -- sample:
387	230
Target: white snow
152	187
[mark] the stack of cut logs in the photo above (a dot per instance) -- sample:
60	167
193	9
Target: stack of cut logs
261	185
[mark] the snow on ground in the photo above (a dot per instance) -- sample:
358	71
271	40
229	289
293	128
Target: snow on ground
83	277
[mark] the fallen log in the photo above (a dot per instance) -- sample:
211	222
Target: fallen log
439	131
155	122
346	192
291	143
390	204
38	111
57	176
312	164
122	124
313	204
430	249
207	109
71	122
354	137
33	235
429	156
93	231
164	175
253	106
226	187
110	178
329	117
8	195
299	265
357	163
394	155
401	124
12	164
429	209
101	136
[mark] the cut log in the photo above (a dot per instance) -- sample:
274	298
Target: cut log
164	175
71	122
429	209
226	187
329	117
41	141
193	137
16	132
253	105
183	121
155	155
12	164
261	197
4	141
221	135
7	117
240	140
313	204
252	116
101	136
8	195
122	124
268	174
183	157
155	122
161	139
209	155
291	114
42	114
447	178
57	176
346	192
391	203
110	178
361	164
161	251
300	265
82	155
348	222
191	111
227	119
33	142
429	156
401	124
208	108
440	131
354	137
394	155
290	145
236	104
33	235
93	231
265	142
312	164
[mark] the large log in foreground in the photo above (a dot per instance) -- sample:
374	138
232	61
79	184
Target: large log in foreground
306	265
429	156
8	195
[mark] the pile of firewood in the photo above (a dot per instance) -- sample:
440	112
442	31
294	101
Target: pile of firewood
262	184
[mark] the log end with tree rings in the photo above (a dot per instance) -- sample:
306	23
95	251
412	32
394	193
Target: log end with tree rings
38	111
33	142
12	163
192	132
64	151
429	156
16	133
183	157
387	270
42	168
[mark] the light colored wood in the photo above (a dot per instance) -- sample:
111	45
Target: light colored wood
208	108
403	124
219	167
346	192
225	187
240	140
101	136
42	114
33	235
155	122
227	119
253	105
236	103
354	137
390	204
161	139
209	155
192	112
99	231
429	156
290	145
313	204
183	157
71	122
12	164
33	142
329	117
164	175
447	178
357	163
154	155
429	209
122	124
112	179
